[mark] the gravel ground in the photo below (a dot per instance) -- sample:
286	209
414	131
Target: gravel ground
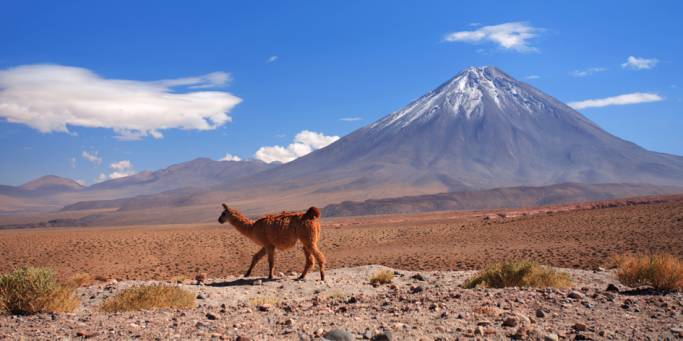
415	306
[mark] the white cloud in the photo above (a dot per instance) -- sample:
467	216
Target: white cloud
632	98
587	72
304	143
514	36
50	98
81	182
351	119
532	77
272	59
121	169
635	63
101	177
230	157
72	162
92	157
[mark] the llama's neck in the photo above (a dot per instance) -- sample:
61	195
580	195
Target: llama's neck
240	222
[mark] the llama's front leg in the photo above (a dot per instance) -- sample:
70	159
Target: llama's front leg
271	261
257	257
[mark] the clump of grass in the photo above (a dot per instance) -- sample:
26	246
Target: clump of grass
145	297
263	300
518	274
382	277
31	290
81	279
660	271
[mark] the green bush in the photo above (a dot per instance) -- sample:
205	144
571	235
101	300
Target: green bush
518	274
30	290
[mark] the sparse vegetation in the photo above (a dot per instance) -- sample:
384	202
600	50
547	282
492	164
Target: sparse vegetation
31	290
660	271
145	297
382	277
518	274
81	279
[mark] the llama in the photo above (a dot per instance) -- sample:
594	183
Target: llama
280	232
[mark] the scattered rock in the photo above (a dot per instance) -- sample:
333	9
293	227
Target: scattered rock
201	277
258	282
382	336
264	307
580	326
575	295
338	335
510	321
242	338
612	288
85	334
202	296
211	316
551	337
419	277
416	289
540	313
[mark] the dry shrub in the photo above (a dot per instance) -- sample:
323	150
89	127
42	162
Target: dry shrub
660	271
382	277
80	279
31	290
145	297
518	274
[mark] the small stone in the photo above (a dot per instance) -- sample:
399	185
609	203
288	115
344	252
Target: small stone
281	274
211	316
242	338
202	296
85	334
580	326
551	337
419	277
575	295
540	313
264	307
510	322
416	289
352	300
677	331
257	282
367	334
382	336
338	335
612	288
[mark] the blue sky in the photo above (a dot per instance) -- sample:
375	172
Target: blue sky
275	69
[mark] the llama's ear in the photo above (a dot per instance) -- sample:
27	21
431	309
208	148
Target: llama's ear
225	206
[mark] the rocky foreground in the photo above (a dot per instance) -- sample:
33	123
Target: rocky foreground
415	306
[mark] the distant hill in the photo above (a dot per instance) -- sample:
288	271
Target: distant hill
511	197
51	183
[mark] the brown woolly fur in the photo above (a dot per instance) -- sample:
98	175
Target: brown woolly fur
280	231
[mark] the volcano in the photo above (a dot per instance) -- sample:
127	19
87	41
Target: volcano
481	129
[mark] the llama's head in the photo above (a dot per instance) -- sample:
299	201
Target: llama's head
224	216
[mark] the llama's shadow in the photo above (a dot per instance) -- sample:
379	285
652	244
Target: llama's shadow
240	282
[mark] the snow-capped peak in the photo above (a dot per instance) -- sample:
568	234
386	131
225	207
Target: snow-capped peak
467	94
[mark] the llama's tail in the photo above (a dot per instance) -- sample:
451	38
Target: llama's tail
312	213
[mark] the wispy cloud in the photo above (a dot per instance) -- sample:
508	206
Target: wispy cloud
121	169
304	142
351	119
50	98
635	63
92	157
272	59
72	162
632	98
515	36
230	157
587	72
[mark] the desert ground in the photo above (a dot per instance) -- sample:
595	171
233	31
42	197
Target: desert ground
571	236
431	255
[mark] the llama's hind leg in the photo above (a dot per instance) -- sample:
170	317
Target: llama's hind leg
257	257
271	260
309	262
321	260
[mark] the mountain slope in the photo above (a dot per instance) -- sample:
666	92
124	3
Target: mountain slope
51	183
481	129
509	197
